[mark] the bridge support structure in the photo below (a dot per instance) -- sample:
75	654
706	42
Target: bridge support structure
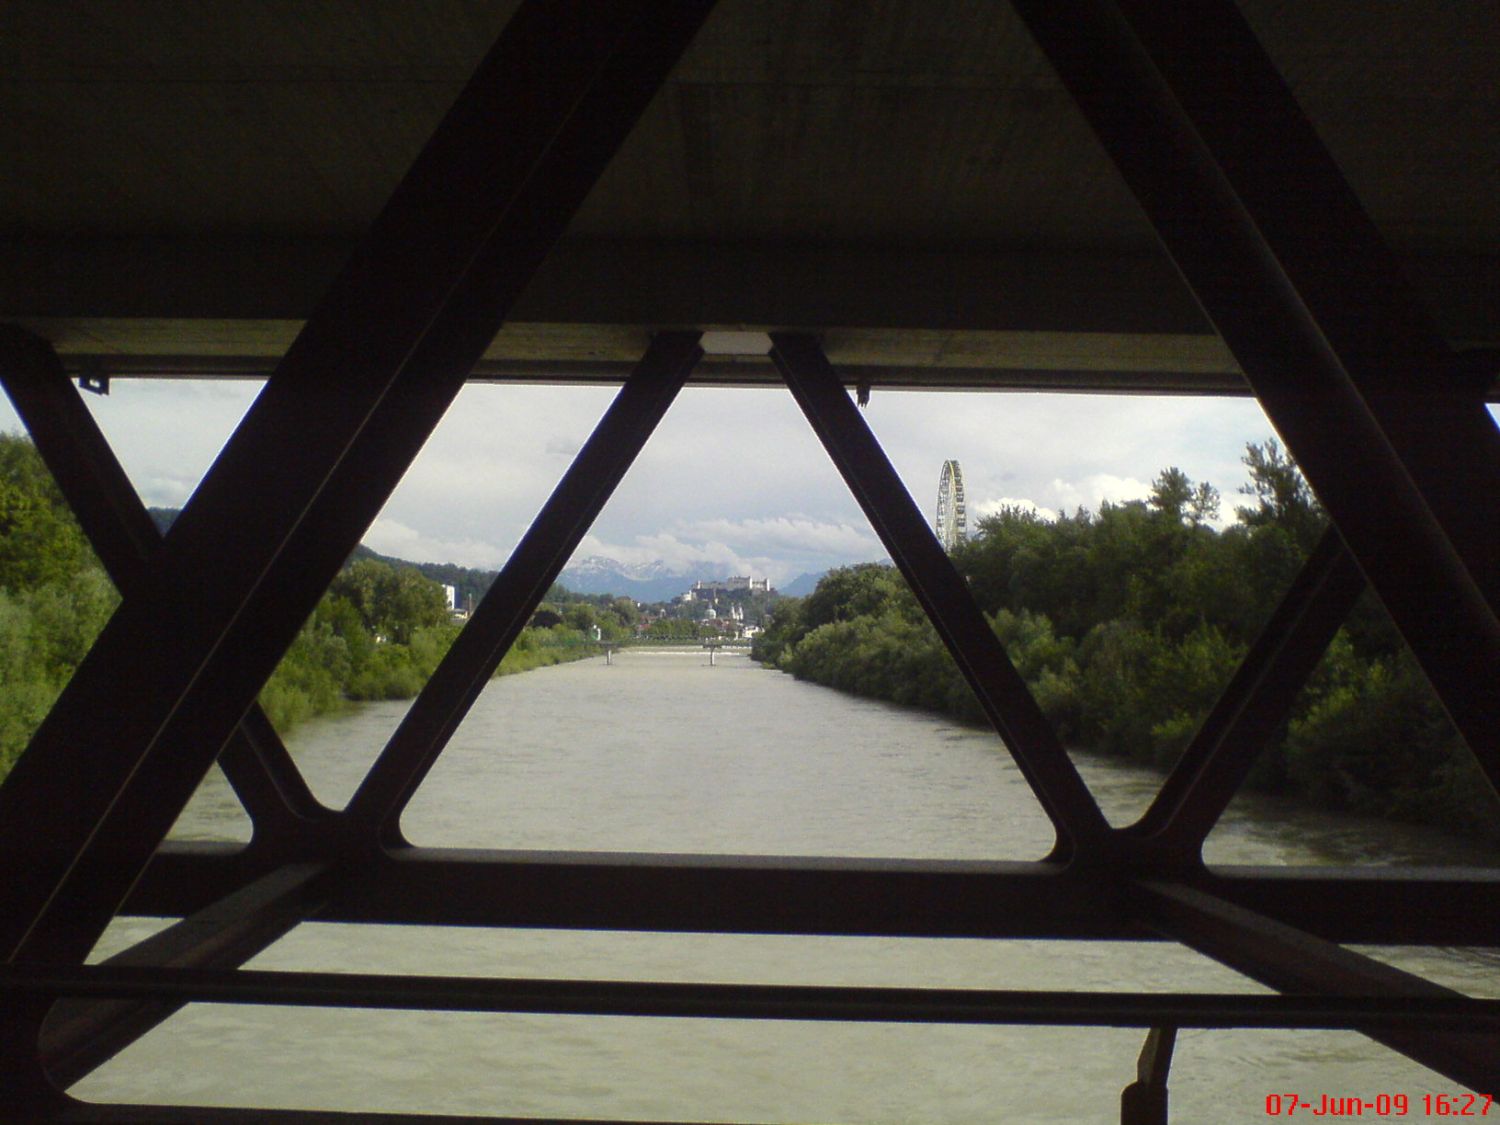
1367	401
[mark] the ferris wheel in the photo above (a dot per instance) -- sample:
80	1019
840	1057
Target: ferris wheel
951	525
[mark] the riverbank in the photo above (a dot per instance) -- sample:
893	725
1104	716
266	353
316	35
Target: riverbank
307	685
735	760
1366	735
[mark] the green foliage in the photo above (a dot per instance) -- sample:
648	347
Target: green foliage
378	634
1128	623
393	602
39	540
1282	498
44	632
54	598
674	629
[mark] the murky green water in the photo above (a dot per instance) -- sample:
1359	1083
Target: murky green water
660	752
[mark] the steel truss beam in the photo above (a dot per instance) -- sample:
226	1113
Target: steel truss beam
1007	702
327	440
1293	961
124	537
82	1034
1254	703
804	895
1429	1014
519	588
1336	357
1276	247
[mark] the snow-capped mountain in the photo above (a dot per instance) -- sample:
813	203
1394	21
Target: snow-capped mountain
652	582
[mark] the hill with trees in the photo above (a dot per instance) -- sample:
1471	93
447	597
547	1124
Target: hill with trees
1127	623
378	632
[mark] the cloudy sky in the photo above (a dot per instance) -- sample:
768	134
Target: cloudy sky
733	479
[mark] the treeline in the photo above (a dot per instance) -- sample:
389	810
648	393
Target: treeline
1127	623
378	633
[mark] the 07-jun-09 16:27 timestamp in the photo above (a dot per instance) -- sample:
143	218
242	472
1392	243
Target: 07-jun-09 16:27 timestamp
1381	1105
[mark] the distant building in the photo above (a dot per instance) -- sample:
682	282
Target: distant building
727	588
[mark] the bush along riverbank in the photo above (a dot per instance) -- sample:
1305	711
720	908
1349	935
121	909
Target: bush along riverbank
1126	624
378	633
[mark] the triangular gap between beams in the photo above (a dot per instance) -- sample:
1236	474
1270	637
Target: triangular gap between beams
1369	745
1002	695
626	783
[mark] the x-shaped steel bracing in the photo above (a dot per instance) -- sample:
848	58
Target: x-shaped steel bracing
1364	401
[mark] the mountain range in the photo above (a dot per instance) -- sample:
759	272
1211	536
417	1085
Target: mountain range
595	574
653	582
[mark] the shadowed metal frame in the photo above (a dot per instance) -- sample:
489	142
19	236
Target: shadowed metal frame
359	392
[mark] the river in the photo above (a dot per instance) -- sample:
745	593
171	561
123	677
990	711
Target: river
660	752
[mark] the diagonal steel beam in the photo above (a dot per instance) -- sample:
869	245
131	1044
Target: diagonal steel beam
121	531
516	592
1371	401
82	1034
1008	704
1292	961
329	437
1254	703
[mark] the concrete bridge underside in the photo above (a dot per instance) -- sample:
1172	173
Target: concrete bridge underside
1293	201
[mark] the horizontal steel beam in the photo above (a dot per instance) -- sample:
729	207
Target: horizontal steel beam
81	1113
834	1004
1293	961
794	895
82	1034
180	286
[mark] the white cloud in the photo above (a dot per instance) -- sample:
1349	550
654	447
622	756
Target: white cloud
733	479
786	534
392	537
1093	490
994	507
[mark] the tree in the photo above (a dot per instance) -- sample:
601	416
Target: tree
40	541
1171	493
1282	496
393	602
1203	508
852	591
